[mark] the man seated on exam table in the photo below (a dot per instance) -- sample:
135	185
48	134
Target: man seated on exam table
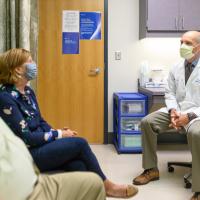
182	111
21	180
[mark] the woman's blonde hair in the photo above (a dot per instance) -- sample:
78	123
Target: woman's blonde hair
9	61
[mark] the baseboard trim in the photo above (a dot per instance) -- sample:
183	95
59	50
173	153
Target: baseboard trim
110	137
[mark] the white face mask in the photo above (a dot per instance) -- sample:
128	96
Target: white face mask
186	51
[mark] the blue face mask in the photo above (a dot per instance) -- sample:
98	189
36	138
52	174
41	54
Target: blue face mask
31	71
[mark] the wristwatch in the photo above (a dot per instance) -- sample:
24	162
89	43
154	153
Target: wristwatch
191	116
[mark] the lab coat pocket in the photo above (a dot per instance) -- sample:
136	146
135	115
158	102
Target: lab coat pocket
196	82
195	90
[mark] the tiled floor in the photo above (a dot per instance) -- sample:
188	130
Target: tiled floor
121	168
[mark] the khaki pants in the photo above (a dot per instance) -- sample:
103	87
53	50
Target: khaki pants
69	186
156	123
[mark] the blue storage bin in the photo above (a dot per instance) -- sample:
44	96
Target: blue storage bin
128	111
127	143
131	104
131	141
129	124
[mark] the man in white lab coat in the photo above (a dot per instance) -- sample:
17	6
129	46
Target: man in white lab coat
182	112
20	179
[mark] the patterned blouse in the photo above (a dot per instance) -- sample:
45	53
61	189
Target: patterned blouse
22	115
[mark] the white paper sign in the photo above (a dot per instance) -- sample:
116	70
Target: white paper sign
70	22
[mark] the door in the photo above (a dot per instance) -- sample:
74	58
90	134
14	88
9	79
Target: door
68	93
189	15
162	15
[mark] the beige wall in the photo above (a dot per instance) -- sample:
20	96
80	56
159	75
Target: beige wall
123	29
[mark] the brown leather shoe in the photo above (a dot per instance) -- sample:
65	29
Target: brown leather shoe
196	196
131	191
147	176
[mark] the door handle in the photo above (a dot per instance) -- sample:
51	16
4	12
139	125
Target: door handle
94	71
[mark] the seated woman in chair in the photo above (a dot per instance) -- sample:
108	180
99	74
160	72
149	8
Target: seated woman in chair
51	149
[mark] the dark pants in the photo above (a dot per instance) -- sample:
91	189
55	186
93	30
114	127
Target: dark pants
69	154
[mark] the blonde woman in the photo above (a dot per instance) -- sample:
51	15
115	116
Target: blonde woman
51	149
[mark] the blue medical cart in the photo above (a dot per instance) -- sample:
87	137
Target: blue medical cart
128	110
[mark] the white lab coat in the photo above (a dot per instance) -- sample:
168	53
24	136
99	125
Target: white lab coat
184	98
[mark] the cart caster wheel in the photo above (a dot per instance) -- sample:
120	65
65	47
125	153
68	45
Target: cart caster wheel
188	185
170	169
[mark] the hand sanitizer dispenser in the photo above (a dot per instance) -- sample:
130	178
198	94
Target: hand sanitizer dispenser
144	73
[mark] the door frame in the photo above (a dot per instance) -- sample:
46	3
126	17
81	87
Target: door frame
106	141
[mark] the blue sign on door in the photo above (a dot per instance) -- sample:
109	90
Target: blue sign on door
90	25
70	43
